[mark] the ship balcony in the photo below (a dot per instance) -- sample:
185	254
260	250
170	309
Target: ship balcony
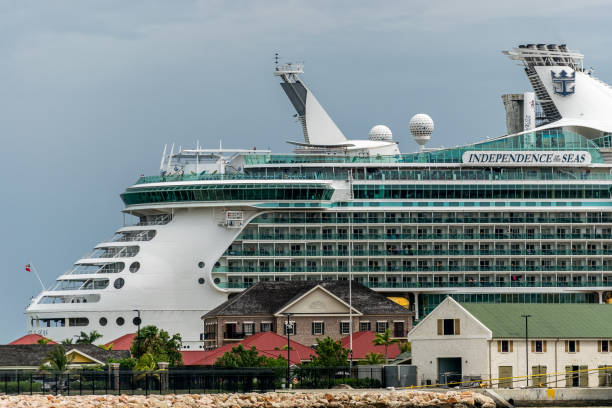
113	252
80	284
400	219
424	236
421	268
416	252
449	285
134	235
68	298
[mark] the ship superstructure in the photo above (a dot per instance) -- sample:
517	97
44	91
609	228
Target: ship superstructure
526	217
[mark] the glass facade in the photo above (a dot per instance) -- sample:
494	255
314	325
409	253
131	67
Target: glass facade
481	191
227	192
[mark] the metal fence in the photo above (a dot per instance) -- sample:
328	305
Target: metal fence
187	381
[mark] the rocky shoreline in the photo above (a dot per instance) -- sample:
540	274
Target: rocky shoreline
370	399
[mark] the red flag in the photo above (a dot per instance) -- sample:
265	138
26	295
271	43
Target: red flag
27	268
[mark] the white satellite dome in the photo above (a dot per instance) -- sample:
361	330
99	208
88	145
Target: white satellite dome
380	132
421	127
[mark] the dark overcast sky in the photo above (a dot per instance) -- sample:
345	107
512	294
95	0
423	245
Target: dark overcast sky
92	90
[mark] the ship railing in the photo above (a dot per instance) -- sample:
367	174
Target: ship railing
416	252
435	285
475	236
420	268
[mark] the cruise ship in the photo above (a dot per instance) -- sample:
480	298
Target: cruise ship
525	217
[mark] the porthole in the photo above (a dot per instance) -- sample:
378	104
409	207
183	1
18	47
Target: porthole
134	267
200	264
201	281
120	321
119	282
137	321
103	321
217	281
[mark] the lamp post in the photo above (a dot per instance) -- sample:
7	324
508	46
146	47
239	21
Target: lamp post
288	328
350	293
526	316
138	321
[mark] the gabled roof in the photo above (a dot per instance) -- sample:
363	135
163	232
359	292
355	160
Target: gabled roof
266	298
33	355
268	344
122	343
303	295
30	339
548	320
362	345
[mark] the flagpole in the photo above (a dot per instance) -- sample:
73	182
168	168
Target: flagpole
37	275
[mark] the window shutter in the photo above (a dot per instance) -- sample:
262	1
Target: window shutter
323	328
533	346
599	347
584	376
511	346
566	346
544	346
440	323
312	331
577	346
499	346
457	327
568	373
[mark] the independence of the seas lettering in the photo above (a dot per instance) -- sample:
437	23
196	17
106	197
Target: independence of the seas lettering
529	158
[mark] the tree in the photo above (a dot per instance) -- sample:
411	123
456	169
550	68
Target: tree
384	339
106	347
159	345
67	342
373	358
405	347
85	338
242	357
330	353
57	359
44	340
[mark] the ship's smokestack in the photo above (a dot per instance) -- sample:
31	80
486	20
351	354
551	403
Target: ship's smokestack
514	104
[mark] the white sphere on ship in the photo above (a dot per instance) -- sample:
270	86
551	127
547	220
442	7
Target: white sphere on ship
380	132
421	127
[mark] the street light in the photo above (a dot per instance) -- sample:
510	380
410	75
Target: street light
527	316
137	320
288	328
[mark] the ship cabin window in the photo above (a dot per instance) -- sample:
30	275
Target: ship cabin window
78	321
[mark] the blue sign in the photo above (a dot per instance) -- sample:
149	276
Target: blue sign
563	83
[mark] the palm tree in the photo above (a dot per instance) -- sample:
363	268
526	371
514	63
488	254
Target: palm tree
57	359
373	358
85	338
385	339
67	341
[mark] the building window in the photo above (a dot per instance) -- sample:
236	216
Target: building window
291	328
265	327
382	326
365	326
538	346
448	327
604	346
345	327
248	329
572	346
318	328
505	346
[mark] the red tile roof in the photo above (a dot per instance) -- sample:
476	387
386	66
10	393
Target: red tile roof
267	343
191	357
362	345
29	339
122	343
